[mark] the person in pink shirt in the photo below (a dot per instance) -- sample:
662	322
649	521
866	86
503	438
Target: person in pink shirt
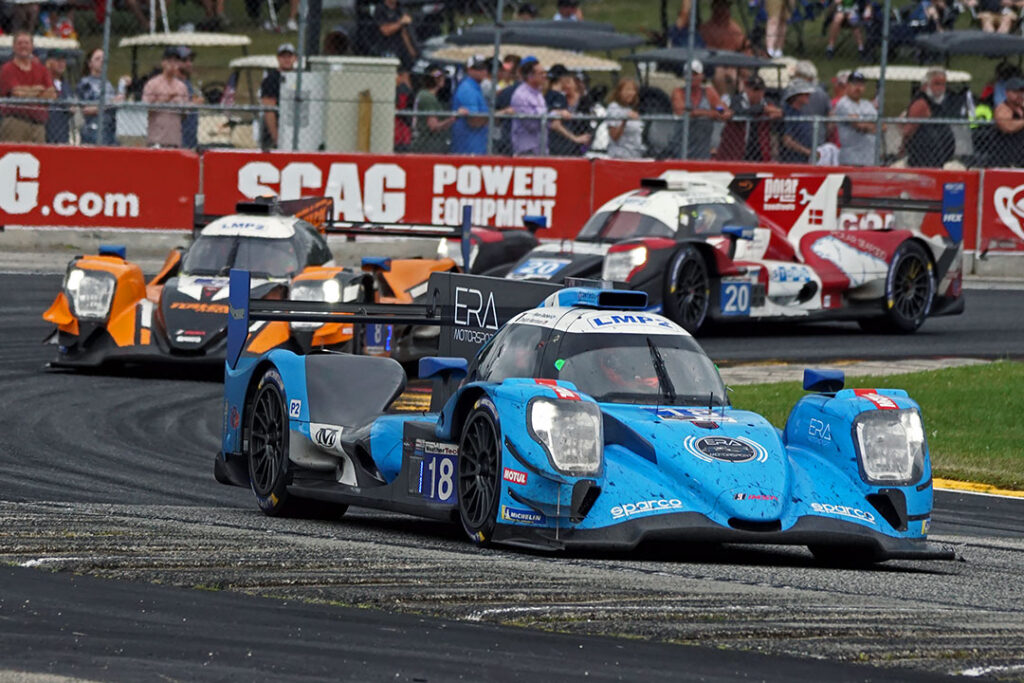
165	88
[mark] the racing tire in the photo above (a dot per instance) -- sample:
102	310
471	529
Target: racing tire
479	472
267	455
688	290
842	556
910	287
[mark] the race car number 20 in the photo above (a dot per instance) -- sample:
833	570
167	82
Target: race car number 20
735	298
435	476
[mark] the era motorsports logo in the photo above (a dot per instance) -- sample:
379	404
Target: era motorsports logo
725	449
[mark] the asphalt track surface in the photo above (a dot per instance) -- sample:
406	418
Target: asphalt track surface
105	479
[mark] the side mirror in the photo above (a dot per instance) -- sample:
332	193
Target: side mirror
824	381
535	223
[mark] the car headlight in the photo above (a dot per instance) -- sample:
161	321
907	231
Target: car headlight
619	265
328	291
570	432
891	446
91	292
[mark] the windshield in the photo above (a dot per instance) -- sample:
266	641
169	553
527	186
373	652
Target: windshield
708	219
635	368
612	226
216	255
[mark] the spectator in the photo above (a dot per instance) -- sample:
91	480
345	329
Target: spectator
337	41
395	35
508	74
721	32
503	105
469	132
190	122
432	133
528	99
24	76
569	137
164	128
995	16
750	139
89	89
270	94
625	129
856	138
819	103
778	12
679	31
850	13
526	11
705	108
797	136
1004	72
58	123
931	144
24	15
568	10
1009	125
403	102
839	86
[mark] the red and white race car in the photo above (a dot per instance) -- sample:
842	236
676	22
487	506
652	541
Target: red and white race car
720	247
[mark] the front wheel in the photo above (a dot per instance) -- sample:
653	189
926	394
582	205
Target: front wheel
909	291
267	452
688	290
479	472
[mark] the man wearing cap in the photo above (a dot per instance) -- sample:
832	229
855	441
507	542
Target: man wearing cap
528	100
1009	124
469	132
166	87
568	10
270	94
856	138
705	108
568	136
932	144
58	123
750	137
797	136
24	76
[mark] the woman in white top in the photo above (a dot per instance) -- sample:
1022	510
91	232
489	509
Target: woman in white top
625	128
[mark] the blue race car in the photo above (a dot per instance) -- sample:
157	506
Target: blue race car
583	421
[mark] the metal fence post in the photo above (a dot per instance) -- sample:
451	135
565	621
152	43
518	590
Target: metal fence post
881	82
691	26
302	63
498	24
102	104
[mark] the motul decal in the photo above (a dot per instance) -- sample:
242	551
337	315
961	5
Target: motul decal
561	392
514	476
881	402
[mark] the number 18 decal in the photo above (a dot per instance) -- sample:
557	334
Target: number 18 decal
735	298
437	477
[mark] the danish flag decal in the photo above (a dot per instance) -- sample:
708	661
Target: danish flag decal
881	402
561	392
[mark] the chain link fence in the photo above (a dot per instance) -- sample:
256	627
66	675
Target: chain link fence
380	78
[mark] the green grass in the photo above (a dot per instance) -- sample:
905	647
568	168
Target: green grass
974	417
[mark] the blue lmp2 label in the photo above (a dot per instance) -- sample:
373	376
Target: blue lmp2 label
437	477
735	298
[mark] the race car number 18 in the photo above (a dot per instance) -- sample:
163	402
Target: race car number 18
437	477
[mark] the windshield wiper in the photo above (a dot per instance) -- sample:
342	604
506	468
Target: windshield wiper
659	367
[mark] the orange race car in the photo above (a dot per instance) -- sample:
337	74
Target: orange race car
106	312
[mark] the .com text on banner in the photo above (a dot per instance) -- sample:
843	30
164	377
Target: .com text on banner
97	187
407	188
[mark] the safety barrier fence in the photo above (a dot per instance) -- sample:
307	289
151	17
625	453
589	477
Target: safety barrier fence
121	187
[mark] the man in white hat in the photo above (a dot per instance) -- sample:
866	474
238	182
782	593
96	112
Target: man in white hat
270	93
797	136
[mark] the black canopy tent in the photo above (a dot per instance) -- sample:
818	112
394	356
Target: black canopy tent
679	56
972	42
528	33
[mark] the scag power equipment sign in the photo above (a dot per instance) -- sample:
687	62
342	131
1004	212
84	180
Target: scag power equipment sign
409	189
86	187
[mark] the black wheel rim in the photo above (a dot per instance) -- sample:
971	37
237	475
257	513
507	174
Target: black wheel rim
691	294
266	441
912	288
478	467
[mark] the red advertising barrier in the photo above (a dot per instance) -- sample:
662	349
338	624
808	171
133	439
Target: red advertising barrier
97	187
613	177
409	188
1002	211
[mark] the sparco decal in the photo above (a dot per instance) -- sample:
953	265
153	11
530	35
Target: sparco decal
843	511
642	507
19	194
725	449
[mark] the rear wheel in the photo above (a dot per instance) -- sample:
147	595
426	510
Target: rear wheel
688	292
267	451
909	291
479	472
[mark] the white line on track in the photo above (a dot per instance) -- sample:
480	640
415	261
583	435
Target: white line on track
988	670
